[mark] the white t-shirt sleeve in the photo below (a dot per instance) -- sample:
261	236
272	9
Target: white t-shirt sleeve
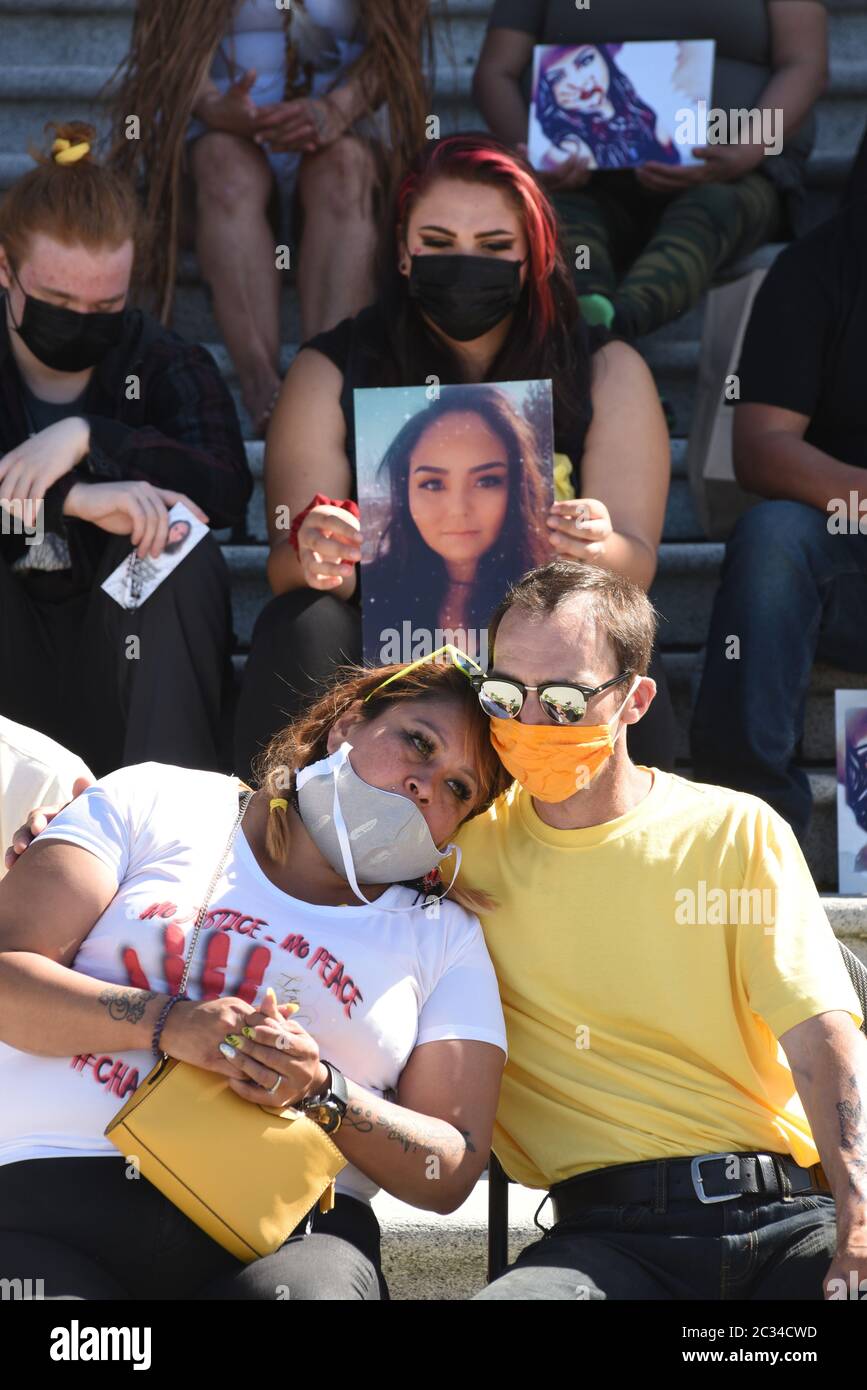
103	819
465	999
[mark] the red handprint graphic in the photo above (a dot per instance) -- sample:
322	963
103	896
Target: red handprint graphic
212	973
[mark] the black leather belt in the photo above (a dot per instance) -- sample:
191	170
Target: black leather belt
707	1178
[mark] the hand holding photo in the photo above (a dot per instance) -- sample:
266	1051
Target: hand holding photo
618	105
454	493
135	579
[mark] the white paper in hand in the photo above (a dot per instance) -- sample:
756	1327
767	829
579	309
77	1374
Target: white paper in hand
135	580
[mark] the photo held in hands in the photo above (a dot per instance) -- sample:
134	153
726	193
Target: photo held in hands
455	484
619	105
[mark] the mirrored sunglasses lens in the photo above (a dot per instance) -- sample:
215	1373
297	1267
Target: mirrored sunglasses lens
564	704
500	699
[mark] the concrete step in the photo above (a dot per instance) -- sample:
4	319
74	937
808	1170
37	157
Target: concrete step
427	1257
683	591
818	746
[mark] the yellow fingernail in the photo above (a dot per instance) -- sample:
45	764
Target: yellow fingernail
270	991
248	1032
233	1040
292	1008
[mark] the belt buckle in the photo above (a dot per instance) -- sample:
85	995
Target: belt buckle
698	1181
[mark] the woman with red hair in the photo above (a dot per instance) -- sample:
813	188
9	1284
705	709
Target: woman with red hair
474	288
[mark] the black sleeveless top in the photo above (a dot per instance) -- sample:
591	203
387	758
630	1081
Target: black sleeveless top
357	347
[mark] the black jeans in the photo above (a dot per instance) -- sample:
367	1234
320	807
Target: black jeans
90	1232
69	668
748	1249
300	637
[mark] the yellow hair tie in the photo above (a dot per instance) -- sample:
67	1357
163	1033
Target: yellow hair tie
279	801
66	153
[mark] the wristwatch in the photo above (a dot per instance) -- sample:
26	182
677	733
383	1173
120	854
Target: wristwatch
329	1106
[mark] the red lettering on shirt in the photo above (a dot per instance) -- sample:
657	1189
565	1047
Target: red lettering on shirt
354	995
158	910
334	978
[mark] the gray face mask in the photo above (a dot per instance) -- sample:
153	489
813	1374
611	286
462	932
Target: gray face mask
368	835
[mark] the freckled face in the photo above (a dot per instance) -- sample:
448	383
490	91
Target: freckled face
422	750
580	81
459	487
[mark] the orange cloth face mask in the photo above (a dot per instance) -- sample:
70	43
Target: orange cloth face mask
554	761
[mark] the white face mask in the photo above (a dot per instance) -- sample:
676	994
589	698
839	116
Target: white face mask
365	833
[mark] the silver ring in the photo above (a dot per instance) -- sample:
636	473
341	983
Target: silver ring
271	1089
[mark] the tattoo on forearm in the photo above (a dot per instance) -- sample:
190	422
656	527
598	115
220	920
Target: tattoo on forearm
126	1005
853	1137
411	1140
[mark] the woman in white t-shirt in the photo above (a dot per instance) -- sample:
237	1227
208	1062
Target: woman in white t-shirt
376	977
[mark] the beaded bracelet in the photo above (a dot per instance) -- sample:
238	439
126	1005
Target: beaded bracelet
161	1023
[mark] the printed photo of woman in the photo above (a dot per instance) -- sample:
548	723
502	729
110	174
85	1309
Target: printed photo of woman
587	106
464	513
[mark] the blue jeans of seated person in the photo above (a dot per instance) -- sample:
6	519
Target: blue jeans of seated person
793	593
746	1249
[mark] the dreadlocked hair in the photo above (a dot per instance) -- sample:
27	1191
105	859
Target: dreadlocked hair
171	51
305	741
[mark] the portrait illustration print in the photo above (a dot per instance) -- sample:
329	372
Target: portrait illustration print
620	105
454	485
850	708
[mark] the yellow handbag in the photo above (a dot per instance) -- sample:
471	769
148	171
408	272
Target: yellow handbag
245	1174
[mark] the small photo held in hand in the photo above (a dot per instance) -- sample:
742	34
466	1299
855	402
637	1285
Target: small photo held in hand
135	580
454	486
850	708
619	105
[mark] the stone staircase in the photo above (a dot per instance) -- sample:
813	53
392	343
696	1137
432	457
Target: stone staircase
55	55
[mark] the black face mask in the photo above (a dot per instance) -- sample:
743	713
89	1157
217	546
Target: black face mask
465	296
63	339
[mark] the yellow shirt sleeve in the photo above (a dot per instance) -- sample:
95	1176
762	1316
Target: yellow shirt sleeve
790	963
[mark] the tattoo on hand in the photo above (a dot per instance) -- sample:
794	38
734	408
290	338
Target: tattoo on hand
126	1005
853	1137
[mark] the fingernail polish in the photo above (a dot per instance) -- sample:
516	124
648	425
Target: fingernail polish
248	1032
233	1040
228	1052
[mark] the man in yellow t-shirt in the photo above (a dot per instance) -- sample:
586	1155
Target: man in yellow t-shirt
683	1035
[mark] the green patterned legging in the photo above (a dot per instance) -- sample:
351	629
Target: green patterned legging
654	255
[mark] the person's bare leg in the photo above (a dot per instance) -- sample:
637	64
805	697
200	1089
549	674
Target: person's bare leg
335	261
236	249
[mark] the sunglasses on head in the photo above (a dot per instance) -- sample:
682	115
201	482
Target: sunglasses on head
563	703
459	659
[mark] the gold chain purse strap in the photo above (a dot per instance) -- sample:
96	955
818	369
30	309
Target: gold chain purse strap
244	802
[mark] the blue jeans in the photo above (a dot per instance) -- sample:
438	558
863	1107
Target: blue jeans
746	1249
791	593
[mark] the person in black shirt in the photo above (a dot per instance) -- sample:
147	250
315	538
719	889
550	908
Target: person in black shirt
477	291
794	584
106	421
